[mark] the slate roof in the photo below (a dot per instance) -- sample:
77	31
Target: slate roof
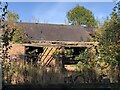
54	32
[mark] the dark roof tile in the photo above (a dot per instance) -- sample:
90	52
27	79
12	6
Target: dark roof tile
53	32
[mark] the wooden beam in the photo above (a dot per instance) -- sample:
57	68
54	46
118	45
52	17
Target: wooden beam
62	43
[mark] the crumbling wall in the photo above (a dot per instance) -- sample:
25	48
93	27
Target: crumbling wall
17	51
49	72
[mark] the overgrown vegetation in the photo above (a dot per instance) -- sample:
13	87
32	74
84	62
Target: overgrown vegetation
96	63
19	35
6	38
108	37
104	58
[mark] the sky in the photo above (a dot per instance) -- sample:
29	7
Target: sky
55	12
58	0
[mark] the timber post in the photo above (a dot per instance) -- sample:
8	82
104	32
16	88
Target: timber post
63	57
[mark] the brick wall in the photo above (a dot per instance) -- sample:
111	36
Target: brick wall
17	50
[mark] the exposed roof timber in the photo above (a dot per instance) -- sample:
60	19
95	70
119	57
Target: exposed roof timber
62	43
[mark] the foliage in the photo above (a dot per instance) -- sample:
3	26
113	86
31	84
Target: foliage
97	60
105	57
21	72
12	17
90	63
108	37
19	35
80	15
6	38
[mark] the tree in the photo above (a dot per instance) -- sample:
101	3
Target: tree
104	58
11	16
80	15
108	37
5	45
19	35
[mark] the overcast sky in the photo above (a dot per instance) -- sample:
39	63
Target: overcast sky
55	13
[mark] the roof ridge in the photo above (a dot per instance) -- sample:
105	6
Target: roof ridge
43	23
